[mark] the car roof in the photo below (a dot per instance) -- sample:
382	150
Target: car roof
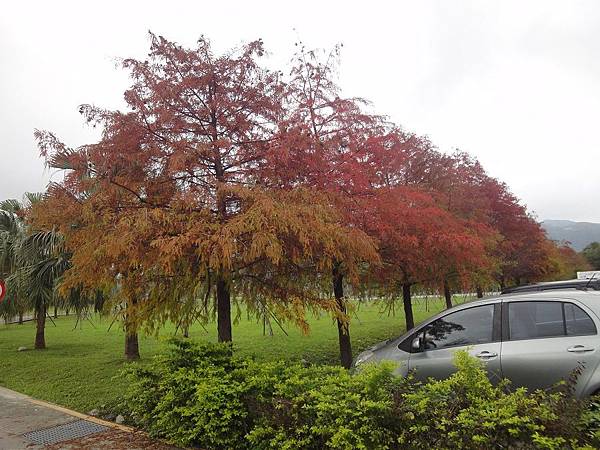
591	284
555	294
589	298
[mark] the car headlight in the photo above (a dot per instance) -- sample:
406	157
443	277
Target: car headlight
363	357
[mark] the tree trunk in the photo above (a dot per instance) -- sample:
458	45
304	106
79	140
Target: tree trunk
67	312
343	325
502	283
40	338
447	294
20	318
479	292
408	313
223	289
132	347
223	311
55	312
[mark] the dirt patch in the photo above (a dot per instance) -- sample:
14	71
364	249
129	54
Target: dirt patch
114	440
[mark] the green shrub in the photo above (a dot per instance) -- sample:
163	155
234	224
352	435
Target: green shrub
193	395
467	411
326	407
205	396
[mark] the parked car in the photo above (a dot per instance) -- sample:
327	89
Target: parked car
533	337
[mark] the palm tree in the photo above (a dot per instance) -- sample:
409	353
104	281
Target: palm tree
32	262
12	231
44	261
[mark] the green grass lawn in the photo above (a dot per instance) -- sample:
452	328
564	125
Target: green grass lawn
79	369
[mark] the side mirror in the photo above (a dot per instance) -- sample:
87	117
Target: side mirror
416	344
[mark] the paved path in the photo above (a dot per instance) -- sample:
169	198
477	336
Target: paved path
25	421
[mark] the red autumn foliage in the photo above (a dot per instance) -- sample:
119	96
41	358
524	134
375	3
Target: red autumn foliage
172	197
226	179
419	242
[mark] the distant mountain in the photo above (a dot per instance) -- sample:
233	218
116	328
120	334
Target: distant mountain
579	234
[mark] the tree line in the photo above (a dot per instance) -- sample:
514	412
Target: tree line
228	183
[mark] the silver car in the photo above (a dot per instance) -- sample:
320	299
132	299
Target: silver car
532	338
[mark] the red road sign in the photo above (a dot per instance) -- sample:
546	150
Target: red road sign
2	289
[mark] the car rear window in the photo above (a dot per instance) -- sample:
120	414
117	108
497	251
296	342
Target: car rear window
528	320
531	320
577	321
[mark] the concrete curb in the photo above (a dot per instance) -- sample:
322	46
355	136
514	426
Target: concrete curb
64	410
79	415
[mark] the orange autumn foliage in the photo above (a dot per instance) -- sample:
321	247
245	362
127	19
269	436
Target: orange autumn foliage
170	199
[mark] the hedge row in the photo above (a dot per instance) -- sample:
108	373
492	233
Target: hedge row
205	396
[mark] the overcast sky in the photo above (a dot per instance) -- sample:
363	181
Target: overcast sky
515	83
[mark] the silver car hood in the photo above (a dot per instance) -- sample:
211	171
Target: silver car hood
385	351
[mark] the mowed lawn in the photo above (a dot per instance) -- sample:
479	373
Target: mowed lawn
80	367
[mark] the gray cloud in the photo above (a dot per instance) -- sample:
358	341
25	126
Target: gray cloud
514	83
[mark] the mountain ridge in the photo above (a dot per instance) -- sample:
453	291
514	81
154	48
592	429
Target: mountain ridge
578	234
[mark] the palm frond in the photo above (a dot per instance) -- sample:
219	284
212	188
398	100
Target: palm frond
9	222
33	197
11	205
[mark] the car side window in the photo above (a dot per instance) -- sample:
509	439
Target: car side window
530	320
577	321
466	327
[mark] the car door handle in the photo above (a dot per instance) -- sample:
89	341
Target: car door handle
580	349
485	354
